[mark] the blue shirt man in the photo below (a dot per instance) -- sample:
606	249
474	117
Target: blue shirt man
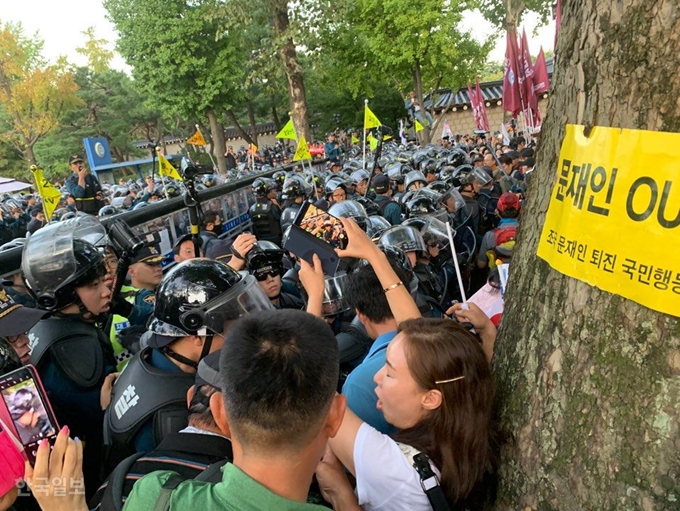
359	386
332	149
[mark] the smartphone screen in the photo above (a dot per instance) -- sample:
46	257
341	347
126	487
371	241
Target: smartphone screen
322	225
28	408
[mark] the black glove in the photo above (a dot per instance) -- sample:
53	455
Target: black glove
129	337
121	306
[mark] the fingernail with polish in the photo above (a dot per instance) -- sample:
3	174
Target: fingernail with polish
64	431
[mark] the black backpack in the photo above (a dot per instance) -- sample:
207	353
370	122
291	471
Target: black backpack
113	496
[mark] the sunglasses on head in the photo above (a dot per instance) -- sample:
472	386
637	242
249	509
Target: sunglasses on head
262	275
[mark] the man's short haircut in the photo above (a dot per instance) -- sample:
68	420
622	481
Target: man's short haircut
505	159
365	293
199	407
280	373
209	218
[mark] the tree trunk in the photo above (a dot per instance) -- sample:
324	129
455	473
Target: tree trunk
253	122
232	118
589	382
29	155
275	116
423	135
296	84
217	131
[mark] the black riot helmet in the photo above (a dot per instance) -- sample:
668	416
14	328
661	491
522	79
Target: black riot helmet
264	254
376	225
55	263
296	186
406	238
197	296
457	157
371	207
262	186
415	176
279	177
350	209
333	183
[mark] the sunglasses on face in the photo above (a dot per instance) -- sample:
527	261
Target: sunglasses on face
261	276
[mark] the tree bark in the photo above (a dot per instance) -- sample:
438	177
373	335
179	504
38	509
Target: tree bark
232	118
253	122
275	116
217	131
296	84
589	382
423	135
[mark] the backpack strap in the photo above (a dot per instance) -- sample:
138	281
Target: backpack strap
163	502
113	495
430	483
207	475
211	471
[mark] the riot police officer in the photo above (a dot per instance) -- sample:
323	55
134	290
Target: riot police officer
66	276
265	263
193	302
265	214
295	191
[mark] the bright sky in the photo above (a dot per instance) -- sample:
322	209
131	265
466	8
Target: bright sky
60	25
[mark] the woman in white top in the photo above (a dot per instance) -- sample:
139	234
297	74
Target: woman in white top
436	387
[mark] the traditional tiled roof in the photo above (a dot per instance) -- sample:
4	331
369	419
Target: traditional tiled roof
492	92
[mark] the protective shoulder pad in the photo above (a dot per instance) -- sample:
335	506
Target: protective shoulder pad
74	347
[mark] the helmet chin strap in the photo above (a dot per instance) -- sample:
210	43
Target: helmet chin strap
180	358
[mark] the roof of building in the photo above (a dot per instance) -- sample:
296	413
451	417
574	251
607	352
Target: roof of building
262	128
491	91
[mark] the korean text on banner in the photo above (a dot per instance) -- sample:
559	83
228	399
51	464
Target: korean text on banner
614	214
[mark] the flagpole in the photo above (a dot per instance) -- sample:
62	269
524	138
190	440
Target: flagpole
34	168
165	188
205	148
364	150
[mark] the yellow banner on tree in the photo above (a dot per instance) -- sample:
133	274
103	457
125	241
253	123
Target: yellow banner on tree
49	195
288	131
302	151
370	120
165	168
614	214
196	138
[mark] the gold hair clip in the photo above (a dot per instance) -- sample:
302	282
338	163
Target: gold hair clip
439	382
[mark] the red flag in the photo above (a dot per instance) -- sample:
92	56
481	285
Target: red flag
482	107
526	70
511	95
541	80
474	104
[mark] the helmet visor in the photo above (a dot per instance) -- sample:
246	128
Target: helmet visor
244	298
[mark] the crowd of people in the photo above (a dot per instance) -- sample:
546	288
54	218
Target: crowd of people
240	376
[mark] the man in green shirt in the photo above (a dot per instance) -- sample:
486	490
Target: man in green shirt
278	405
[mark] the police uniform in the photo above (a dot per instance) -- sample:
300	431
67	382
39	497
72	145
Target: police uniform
266	218
85	197
143	301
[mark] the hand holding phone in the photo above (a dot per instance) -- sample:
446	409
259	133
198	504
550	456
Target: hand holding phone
322	225
28	408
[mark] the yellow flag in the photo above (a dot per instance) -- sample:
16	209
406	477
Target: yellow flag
252	148
196	139
372	141
165	168
48	193
302	151
288	131
387	137
355	140
419	127
370	120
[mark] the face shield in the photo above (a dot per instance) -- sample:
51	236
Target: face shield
452	199
334	301
406	238
243	298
